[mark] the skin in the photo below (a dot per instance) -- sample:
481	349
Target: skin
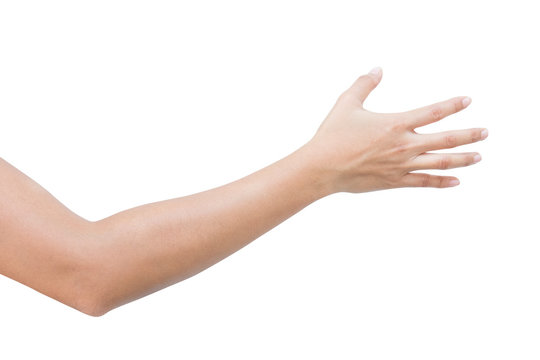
96	266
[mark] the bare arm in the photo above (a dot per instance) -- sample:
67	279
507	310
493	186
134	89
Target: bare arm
98	266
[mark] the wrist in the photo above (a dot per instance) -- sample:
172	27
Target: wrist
317	170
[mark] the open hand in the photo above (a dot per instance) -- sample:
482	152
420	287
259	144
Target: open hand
366	151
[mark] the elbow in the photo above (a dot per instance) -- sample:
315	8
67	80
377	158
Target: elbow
90	293
87	290
79	294
96	281
93	311
88	301
92	298
91	306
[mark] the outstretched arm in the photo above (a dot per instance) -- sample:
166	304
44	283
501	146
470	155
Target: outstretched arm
97	266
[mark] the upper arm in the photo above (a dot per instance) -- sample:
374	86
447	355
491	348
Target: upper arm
42	242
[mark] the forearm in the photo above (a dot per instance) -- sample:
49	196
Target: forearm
144	249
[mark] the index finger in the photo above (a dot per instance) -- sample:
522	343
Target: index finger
435	112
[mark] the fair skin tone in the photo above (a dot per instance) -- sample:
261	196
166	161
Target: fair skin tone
96	266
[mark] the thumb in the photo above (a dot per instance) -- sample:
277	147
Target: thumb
363	86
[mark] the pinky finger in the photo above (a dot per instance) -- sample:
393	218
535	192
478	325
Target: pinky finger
427	180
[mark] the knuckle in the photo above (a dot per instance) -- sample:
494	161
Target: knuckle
450	141
401	148
393	123
436	112
476	135
458	105
345	96
444	163
424	181
440	182
402	123
397	125
393	180
371	80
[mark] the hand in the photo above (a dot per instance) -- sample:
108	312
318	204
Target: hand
366	151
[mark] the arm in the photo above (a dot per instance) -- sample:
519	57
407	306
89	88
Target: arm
98	266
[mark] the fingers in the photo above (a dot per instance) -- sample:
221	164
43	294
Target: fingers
443	161
435	112
427	180
363	86
450	139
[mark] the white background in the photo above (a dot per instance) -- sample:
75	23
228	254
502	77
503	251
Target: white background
113	104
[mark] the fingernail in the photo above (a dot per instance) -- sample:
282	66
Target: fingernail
453	182
466	101
484	134
376	71
477	158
